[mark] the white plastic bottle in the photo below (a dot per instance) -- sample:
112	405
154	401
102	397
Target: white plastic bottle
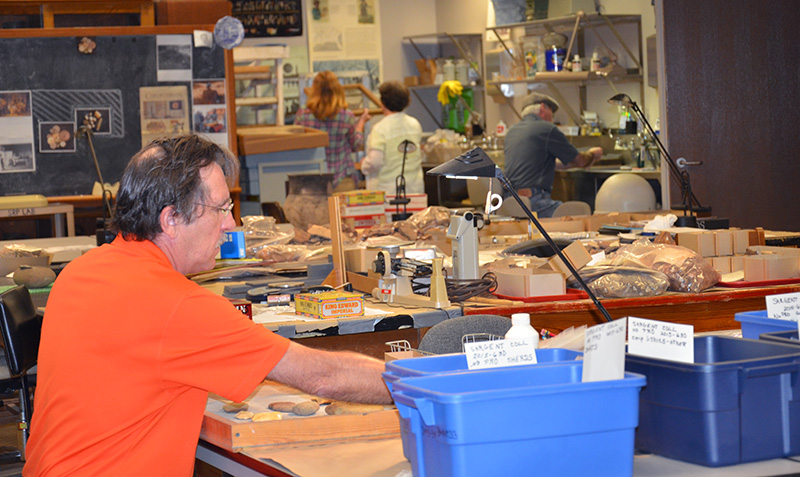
576	63
521	328
500	129
596	64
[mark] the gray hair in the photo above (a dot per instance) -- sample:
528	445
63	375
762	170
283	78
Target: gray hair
166	173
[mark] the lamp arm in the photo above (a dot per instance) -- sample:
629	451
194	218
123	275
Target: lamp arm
88	132
682	176
567	262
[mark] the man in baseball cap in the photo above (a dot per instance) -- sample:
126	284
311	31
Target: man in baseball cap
534	148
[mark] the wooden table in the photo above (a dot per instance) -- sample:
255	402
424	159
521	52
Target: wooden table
708	311
63	216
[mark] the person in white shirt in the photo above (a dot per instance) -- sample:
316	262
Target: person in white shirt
392	137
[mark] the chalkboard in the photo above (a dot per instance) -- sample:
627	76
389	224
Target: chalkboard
64	83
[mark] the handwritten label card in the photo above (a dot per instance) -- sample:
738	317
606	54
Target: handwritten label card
785	306
661	340
499	353
604	352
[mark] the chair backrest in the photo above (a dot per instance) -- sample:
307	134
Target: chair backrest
445	337
572	207
21	329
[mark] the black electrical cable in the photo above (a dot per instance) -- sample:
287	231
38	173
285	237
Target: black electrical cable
461	290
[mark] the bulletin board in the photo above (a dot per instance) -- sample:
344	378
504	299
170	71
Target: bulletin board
54	81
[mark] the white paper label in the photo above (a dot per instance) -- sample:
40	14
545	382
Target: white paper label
661	340
499	353
604	351
784	307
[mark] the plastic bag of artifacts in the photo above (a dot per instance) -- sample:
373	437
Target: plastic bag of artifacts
622	282
261	231
280	253
686	270
428	224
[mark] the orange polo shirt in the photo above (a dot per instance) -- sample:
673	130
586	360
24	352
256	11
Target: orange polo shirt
130	350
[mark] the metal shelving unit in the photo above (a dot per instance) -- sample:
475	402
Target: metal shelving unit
575	27
467	46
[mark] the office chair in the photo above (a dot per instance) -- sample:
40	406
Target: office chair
446	337
572	207
21	330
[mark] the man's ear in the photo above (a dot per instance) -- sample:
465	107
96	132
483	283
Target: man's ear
169	221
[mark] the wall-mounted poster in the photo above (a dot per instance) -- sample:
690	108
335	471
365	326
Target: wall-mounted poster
269	17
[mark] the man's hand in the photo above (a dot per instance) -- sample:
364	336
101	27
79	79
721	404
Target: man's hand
589	157
597	153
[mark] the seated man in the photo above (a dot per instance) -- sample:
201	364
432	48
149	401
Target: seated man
534	148
131	347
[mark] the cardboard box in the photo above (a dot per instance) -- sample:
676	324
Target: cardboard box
359	260
576	253
700	242
525	282
267	139
741	240
592	223
562	224
365	221
770	267
245	306
737	263
361	210
722	264
361	197
723	242
326	305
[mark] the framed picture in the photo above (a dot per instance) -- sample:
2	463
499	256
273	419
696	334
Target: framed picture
98	119
56	137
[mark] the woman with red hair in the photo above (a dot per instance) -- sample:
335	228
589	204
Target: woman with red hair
326	109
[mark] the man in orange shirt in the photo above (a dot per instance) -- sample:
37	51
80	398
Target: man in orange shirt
131	348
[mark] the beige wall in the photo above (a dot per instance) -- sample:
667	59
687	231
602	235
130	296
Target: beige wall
404	18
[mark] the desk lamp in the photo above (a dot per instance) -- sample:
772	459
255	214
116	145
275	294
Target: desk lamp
400	197
102	234
476	163
678	169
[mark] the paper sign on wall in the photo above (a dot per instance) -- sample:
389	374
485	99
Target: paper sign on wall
499	353
785	306
604	351
662	340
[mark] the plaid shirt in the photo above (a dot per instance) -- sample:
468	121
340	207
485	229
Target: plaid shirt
343	140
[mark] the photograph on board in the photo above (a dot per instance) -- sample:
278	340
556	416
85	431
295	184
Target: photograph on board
15	103
208	92
174	57
97	119
55	137
17	158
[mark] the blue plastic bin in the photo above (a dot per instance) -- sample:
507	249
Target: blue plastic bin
754	323
519	421
448	364
457	363
738	402
785	337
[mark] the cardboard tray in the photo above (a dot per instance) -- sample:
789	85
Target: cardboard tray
266	139
223	430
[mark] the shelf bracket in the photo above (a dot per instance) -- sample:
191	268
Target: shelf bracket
619	39
564	104
435	119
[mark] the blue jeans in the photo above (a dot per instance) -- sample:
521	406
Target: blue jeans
542	203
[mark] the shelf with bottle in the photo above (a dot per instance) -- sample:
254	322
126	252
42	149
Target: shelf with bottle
522	52
468	48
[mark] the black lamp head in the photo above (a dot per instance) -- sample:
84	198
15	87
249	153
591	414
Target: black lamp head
621	99
469	165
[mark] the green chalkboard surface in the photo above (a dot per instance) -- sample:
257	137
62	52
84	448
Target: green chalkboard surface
61	84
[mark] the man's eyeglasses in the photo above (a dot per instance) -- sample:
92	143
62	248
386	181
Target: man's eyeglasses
222	210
